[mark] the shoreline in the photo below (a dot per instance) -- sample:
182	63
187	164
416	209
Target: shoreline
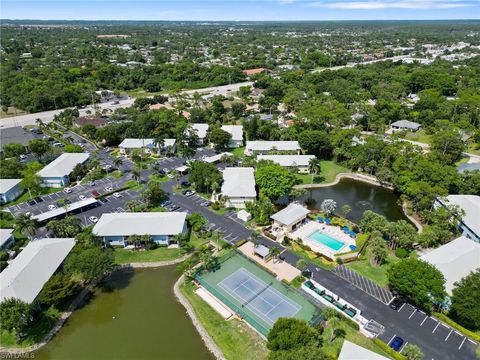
78	300
367	179
207	339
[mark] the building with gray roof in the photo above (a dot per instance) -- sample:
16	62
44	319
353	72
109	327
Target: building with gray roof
10	189
6	238
265	147
406	125
238	186
25	276
56	173
298	162
290	217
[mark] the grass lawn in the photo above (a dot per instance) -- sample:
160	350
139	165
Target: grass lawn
233	337
220	211
328	173
117	174
420	136
474	149
158	178
332	348
311	257
238	151
377	274
11	111
133	185
123	256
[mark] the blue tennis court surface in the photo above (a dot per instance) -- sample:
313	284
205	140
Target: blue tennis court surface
258	297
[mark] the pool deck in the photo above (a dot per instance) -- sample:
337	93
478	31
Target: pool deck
334	231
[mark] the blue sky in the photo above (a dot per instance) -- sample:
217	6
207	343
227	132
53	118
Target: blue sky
240	10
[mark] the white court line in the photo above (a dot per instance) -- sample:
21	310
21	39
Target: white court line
414	311
436	327
426	317
401	307
448	335
462	343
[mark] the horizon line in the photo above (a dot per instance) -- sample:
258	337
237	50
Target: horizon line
258	21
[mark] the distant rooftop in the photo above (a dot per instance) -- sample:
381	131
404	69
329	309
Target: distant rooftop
405	124
8	184
5	234
471	205
235	130
288	160
201	129
270	145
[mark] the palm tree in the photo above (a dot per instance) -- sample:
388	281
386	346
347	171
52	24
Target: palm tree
132	205
314	167
274	252
136	173
346	209
40	123
412	352
117	161
28	224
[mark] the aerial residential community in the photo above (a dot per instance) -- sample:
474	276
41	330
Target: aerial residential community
202	188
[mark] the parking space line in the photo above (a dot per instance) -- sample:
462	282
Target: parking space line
436	327
448	335
462	343
401	307
413	312
392	338
426	317
473	342
403	347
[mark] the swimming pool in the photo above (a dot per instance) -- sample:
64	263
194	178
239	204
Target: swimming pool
326	240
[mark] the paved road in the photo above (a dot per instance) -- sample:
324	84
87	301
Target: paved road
47	116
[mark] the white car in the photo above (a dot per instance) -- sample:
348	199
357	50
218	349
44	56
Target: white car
23	156
82	197
67	190
117	195
93	219
108	189
170	176
51	207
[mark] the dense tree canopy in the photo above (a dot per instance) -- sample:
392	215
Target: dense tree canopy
465	295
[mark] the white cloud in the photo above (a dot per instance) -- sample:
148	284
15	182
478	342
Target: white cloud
287	2
389	4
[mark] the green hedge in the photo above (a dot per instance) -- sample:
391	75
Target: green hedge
453	324
241	242
388	350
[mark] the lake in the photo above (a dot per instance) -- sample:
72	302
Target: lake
135	315
360	196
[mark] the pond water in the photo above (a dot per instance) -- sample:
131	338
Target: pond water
360	196
135	315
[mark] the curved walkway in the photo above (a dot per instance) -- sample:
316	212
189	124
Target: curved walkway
207	339
77	301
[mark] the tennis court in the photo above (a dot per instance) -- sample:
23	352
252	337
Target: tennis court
258	296
255	294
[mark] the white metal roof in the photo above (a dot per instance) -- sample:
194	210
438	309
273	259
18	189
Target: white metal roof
63	165
5	234
261	250
471	205
455	260
140	223
291	214
137	143
215	158
351	351
63	210
25	276
8	184
288	160
201	129
235	130
238	182
270	145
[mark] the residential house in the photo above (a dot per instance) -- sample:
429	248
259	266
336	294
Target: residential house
238	186
405	125
149	146
98	122
201	130
266	147
162	227
290	218
25	276
56	173
299	162
469	225
236	131
6	238
10	189
455	260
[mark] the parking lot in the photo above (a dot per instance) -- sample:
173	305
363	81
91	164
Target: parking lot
451	343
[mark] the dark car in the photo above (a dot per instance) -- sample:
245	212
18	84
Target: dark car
174	208
206	203
185	183
161	172
396	343
397	303
38	199
31	202
165	203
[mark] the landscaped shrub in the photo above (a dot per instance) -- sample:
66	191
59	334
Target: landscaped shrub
286	241
215	206
401	253
388	350
241	242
